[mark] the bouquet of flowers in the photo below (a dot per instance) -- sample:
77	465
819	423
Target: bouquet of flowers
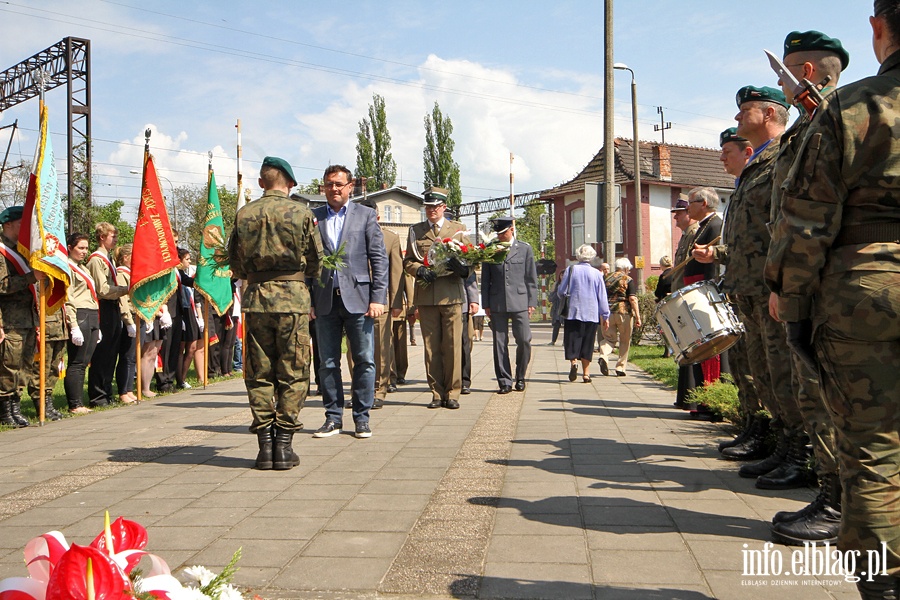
106	570
448	252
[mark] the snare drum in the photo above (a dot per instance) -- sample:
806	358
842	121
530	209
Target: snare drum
697	323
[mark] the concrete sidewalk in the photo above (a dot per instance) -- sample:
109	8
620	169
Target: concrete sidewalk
567	490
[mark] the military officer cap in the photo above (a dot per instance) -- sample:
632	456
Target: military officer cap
730	135
806	41
680	204
435	196
501	224
282	165
751	93
13	213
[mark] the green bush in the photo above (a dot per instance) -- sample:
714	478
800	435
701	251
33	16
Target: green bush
721	397
647	306
651	283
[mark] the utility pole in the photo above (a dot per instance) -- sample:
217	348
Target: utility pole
609	140
663	124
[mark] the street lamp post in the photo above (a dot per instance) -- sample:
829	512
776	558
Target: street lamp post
171	189
637	177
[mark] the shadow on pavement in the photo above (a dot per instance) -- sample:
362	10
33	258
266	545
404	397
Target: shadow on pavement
469	586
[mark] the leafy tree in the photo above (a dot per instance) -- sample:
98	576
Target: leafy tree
373	148
192	214
528	229
14	186
440	168
311	188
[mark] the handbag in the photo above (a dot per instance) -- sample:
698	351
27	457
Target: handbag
564	301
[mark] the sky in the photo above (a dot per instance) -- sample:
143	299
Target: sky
514	76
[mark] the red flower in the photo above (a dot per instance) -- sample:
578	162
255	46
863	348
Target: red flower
126	535
464	249
446	240
481	246
70	580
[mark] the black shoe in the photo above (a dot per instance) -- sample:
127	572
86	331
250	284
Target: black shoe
465	391
50	411
379	403
794	471
620	373
435	403
703	413
329	429
753	447
505	389
16	413
520	385
265	439
402	381
739	438
166	388
451	404
573	373
283	455
391	388
829	495
362	430
604	368
882	587
771	462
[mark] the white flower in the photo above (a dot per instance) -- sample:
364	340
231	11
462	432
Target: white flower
189	594
229	592
197	574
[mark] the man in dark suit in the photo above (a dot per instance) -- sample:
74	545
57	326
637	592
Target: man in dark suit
348	301
509	293
439	300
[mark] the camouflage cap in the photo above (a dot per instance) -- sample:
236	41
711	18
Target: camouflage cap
12	213
282	165
436	195
730	135
751	93
806	41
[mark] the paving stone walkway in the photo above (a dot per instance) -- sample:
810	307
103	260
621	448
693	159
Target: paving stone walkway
568	490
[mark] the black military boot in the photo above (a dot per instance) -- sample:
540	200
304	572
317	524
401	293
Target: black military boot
774	460
283	456
50	411
752	447
817	525
749	424
15	411
5	414
829	479
794	472
882	587
264	458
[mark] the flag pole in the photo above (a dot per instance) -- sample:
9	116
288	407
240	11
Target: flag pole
240	174
205	316
42	306
137	315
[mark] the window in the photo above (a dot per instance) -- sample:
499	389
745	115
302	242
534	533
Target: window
388	213
398	214
577	229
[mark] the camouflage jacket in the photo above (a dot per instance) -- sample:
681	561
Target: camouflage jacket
16	299
846	175
745	236
276	235
617	293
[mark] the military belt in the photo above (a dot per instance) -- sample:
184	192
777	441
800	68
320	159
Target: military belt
264	276
871	233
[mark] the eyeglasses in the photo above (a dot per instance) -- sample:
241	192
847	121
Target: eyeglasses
693	201
334	185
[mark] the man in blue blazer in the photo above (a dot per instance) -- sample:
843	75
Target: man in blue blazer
348	300
509	294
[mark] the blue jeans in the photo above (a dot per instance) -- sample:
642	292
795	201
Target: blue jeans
360	339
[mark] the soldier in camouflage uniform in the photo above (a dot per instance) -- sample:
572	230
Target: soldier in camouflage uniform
276	247
17	305
835	266
813	56
55	339
762	118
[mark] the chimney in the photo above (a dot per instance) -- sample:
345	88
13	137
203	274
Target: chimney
662	162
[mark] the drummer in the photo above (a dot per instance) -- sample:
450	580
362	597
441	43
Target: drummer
703	202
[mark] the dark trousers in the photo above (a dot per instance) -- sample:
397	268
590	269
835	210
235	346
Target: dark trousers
80	356
400	362
126	367
103	363
170	355
466	350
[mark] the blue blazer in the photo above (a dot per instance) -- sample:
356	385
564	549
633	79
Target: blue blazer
364	280
510	286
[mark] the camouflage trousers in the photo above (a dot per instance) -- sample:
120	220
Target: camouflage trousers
16	352
276	370
743	378
54	354
816	419
770	360
857	339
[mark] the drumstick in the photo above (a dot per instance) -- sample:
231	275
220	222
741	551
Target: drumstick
680	266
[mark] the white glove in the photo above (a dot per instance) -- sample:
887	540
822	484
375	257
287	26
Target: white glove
200	324
132	329
99	336
165	320
77	336
148	327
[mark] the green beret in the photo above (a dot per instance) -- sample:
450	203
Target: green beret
752	93
436	195
13	213
282	165
730	135
806	41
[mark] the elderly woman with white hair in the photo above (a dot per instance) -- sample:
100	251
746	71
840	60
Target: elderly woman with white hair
623	305
584	288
